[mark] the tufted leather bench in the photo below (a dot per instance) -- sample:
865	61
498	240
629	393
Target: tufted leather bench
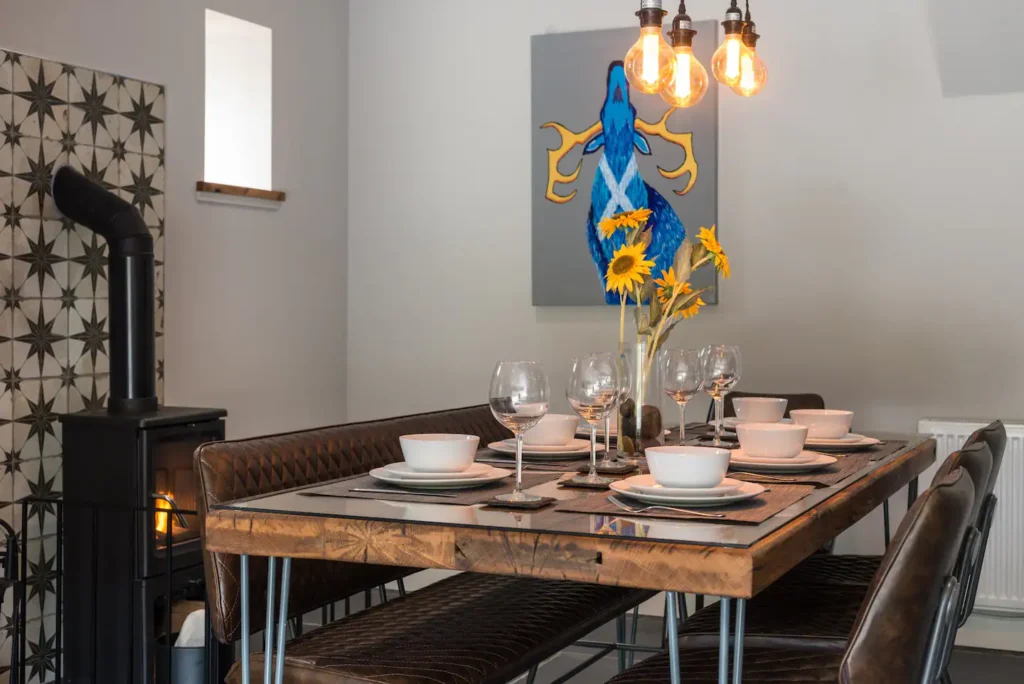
467	629
889	639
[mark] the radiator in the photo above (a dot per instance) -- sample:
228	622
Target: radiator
1001	589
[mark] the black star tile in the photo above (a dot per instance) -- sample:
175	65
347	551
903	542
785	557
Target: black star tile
40	253
12	214
97	397
94	103
98	165
11	380
40	97
41	419
40	334
142	111
11	461
11	298
35	161
42	572
89	337
142	185
12	134
40	661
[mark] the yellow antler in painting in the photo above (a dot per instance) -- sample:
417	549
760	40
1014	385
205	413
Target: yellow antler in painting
569	141
684	140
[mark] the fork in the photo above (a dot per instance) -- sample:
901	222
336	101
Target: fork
619	503
769	478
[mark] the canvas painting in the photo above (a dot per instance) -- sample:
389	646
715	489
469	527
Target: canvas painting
600	148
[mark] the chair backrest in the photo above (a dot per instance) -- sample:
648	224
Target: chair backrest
994	435
891	636
235	469
976	459
795	401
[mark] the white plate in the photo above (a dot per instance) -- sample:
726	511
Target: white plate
841	445
462	483
731	423
402	469
577	447
646	484
802	458
585	434
787	465
845	439
747	490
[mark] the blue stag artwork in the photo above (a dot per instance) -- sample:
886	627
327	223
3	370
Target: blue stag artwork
618	186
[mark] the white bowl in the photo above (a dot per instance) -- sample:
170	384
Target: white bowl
439	453
553	429
772	440
823	423
687	466
759	409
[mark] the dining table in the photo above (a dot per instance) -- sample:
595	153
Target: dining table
721	558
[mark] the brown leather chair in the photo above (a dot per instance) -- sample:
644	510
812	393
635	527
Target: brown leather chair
471	628
789	612
794	401
898	625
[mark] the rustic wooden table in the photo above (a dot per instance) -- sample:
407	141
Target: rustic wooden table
731	561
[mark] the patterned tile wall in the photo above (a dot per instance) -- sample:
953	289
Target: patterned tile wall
53	311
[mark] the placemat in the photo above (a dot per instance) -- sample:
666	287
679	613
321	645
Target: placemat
462	497
750	512
845	465
494	458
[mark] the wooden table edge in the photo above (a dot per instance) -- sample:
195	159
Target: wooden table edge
658	565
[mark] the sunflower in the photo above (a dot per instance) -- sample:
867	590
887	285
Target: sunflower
708	239
722	264
634	218
668	285
629	265
691	311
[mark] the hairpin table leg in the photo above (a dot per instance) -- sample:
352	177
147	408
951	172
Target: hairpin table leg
282	620
268	624
723	640
246	675
673	637
737	658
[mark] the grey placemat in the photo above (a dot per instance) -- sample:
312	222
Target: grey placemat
461	497
750	512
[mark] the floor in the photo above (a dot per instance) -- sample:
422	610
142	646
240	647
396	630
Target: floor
968	665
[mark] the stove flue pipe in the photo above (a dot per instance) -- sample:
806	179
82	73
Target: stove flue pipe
130	279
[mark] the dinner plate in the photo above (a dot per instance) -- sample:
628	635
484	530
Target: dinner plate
805	462
841	446
402	469
646	484
563	453
746	490
845	439
495	475
573	446
731	423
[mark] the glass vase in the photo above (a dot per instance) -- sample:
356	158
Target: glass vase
640	416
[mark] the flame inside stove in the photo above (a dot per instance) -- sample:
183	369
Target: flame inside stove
162	519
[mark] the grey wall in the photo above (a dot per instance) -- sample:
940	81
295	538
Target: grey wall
874	224
256	309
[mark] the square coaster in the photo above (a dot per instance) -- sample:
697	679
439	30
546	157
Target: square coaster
520	505
614	469
569	484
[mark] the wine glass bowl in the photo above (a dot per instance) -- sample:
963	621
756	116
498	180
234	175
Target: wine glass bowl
519	398
682	380
722	369
593	392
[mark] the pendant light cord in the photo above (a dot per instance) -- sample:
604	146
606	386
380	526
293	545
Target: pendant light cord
747	18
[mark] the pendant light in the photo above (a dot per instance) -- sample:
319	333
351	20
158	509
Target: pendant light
726	62
650	64
753	73
690	81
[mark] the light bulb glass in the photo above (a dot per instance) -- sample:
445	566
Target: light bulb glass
650	63
726	63
690	82
753	74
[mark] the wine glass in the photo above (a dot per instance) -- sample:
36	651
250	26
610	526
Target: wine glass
721	373
622	363
519	399
592	392
682	379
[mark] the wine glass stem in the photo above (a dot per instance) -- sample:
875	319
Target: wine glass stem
719	417
607	438
593	450
519	463
682	424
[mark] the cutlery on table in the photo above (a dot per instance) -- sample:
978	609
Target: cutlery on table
382	491
630	508
773	478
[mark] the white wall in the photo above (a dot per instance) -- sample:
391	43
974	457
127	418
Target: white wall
256	318
862	211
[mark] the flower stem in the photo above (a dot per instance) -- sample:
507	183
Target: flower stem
622	323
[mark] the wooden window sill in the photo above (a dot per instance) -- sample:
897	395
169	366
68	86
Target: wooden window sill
238	195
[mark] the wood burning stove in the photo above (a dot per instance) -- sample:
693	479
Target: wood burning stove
131	538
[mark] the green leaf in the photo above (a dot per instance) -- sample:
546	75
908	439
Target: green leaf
687	301
655	309
699	252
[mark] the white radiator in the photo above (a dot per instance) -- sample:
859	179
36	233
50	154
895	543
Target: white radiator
1001	590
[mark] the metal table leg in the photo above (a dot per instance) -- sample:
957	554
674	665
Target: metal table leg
282	623
911	493
673	638
246	675
268	624
737	658
723	640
